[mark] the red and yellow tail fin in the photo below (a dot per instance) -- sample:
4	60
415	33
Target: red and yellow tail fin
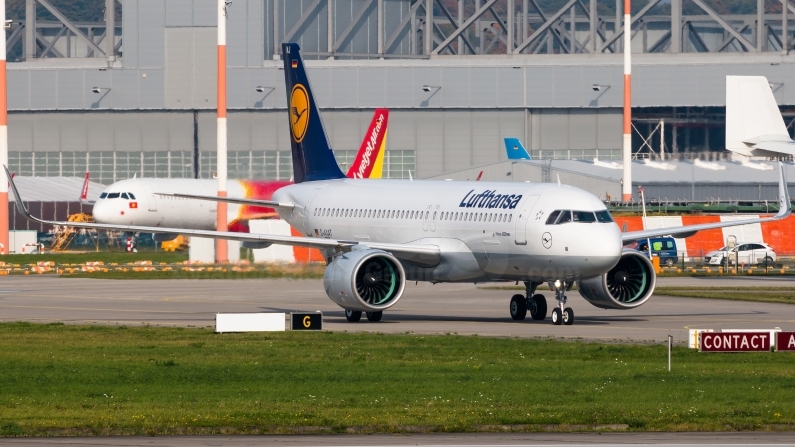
369	161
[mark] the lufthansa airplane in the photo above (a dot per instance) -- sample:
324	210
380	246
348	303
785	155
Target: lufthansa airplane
376	235
136	202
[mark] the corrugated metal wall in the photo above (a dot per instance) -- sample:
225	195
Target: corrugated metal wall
444	140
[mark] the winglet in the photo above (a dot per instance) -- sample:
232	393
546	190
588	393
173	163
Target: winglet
17	197
785	206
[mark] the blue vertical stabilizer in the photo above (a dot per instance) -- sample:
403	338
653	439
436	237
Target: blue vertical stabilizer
313	158
515	149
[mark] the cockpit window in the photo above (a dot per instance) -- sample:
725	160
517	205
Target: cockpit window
553	216
583	216
103	195
113	195
565	216
131	195
604	216
125	196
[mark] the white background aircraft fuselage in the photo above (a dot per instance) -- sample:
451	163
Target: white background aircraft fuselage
152	209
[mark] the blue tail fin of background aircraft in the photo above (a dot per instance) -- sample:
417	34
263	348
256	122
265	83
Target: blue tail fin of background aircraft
313	158
515	149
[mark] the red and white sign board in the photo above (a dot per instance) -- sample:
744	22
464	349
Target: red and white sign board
785	341
735	341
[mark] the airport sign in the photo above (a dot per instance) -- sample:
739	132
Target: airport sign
735	341
306	321
785	341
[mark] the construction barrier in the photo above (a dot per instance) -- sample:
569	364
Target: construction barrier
773	233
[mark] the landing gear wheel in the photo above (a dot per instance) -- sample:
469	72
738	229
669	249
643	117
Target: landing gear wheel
353	315
518	307
375	316
538	307
568	316
557	318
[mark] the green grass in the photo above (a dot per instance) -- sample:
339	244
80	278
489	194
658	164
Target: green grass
784	295
106	257
62	380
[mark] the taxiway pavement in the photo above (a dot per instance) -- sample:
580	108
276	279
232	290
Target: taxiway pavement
424	308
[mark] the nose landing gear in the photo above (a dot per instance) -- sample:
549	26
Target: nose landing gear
532	302
562	314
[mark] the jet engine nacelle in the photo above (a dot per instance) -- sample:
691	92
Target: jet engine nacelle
163	237
626	286
365	279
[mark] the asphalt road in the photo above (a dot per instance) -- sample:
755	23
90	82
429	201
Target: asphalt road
465	439
424	308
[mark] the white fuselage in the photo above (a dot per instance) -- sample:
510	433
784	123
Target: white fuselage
144	207
502	236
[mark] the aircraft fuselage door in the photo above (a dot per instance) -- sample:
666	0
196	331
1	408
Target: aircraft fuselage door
152	199
307	211
426	218
433	218
522	215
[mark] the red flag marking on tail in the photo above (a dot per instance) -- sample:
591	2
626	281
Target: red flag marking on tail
84	193
373	143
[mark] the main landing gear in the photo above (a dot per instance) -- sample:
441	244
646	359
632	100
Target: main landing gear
355	315
536	304
561	314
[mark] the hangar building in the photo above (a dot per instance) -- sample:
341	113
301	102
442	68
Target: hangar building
135	94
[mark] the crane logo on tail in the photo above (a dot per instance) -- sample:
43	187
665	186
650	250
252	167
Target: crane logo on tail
299	112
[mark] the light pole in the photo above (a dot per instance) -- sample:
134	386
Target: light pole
626	192
3	135
221	247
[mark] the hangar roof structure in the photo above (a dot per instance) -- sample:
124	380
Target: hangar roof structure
135	93
54	189
376	53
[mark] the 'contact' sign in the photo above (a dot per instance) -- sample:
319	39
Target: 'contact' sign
735	341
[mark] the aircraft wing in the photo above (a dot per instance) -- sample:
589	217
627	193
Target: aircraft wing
239	201
424	255
785	208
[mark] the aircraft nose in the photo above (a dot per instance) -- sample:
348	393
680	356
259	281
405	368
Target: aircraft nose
102	212
606	244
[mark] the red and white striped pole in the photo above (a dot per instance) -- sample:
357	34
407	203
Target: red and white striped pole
626	189
3	135
221	255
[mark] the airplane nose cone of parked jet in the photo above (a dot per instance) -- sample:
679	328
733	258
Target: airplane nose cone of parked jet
102	212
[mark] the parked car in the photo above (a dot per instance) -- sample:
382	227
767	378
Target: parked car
664	247
747	253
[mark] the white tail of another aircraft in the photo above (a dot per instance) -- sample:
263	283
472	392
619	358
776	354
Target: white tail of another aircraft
754	125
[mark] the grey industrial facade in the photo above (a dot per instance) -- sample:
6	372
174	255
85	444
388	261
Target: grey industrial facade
154	113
